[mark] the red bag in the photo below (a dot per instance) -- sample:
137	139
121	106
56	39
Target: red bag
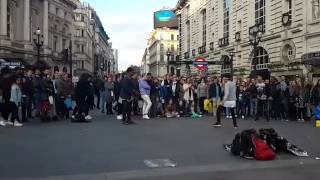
262	151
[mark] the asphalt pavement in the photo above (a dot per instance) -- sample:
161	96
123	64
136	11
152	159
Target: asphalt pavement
106	149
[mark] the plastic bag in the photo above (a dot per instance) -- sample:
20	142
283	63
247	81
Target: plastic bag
208	105
68	103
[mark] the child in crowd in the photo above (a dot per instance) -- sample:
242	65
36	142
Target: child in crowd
171	110
242	99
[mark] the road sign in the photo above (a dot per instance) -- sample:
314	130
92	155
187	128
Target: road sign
200	63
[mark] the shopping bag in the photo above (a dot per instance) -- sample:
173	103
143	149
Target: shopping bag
207	105
51	100
318	123
68	103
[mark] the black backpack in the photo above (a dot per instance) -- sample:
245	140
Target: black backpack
247	146
236	145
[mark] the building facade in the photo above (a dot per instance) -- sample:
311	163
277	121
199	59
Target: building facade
145	62
19	20
163	45
219	31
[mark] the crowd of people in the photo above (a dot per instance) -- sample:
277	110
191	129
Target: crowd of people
25	95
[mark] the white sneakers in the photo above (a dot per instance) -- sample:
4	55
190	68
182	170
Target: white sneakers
2	123
15	124
146	117
88	117
119	117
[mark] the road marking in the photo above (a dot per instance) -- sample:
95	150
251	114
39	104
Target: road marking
159	163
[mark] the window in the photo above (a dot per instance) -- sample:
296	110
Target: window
55	43
64	43
78	32
161	58
290	52
82	18
260	13
78	47
57	11
177	37
82	48
226	14
172	37
78	17
65	15
261	56
315	9
82	64
161	48
172	47
82	33
204	27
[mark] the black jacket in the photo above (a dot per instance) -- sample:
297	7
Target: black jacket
212	91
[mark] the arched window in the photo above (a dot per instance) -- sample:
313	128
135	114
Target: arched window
260	59
226	66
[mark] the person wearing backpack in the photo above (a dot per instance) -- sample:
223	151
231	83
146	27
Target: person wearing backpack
229	101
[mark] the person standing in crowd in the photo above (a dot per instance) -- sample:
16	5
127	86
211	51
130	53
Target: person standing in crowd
229	101
117	95
284	99
64	90
175	89
215	95
202	94
82	97
15	99
241	99
126	95
155	96
188	97
253	97
262	99
195	103
299	95
109	93
274	98
39	90
98	85
165	90
316	94
103	96
27	91
145	88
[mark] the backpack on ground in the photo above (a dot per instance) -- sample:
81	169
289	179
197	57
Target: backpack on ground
247	146
235	148
262	151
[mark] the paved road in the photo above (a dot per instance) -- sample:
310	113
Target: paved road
105	149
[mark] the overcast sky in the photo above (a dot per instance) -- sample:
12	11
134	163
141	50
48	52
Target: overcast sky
128	23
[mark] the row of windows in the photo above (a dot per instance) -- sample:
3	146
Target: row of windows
171	49
55	44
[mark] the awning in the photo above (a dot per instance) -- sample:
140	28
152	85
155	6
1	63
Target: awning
312	58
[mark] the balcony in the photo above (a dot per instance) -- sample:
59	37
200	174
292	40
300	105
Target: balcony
226	71
259	67
202	49
224	42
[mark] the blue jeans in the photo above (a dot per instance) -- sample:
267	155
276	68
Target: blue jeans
253	107
103	101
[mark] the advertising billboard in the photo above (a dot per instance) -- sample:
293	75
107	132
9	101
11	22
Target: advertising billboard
165	18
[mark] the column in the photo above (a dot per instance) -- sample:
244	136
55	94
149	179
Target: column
45	22
3	17
26	21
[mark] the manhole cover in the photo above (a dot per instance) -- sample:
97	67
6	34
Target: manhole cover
159	163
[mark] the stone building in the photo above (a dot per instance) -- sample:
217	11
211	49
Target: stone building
19	20
163	47
219	31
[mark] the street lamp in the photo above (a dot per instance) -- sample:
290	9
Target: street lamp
38	41
168	59
231	54
255	35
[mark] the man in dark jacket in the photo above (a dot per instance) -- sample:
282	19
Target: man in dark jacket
215	94
126	95
27	94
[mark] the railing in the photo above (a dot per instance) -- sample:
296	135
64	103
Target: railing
260	66
226	71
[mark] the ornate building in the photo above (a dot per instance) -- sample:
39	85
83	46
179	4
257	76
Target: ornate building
163	47
19	20
279	37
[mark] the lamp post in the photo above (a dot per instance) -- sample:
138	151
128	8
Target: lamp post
231	63
38	41
255	35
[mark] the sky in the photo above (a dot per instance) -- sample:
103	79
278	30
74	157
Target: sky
128	24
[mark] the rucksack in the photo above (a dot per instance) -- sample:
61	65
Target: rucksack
236	145
247	146
262	151
270	136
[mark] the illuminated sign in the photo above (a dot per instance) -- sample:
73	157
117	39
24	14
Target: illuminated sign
165	18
